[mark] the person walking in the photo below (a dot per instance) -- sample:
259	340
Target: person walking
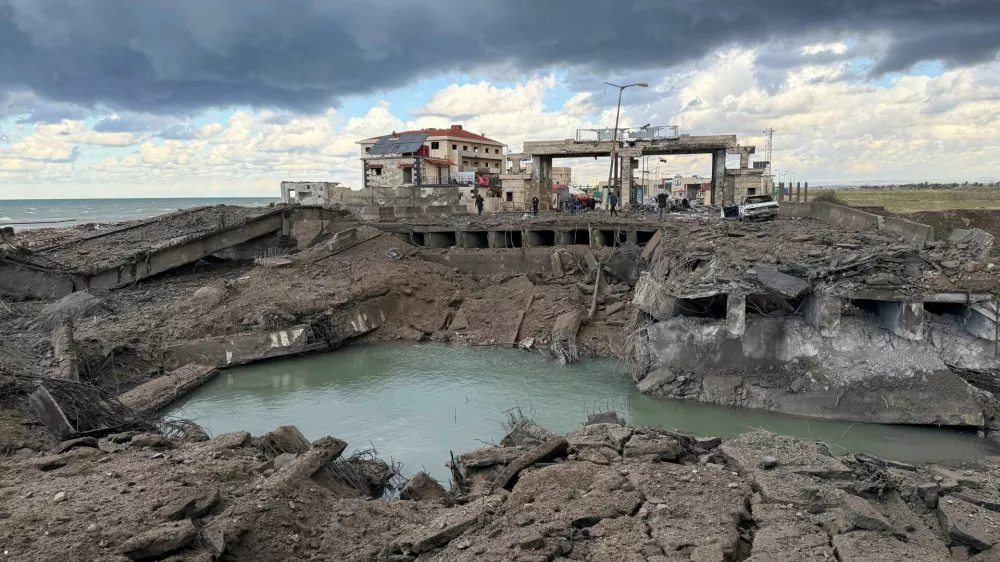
614	204
661	203
534	205
479	203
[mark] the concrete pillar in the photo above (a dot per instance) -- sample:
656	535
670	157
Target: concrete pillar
632	237
515	165
473	239
535	239
718	175
823	313
736	314
781	191
905	319
625	181
744	159
805	193
798	192
565	238
541	184
495	239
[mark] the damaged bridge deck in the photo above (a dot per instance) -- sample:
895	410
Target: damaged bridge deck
122	256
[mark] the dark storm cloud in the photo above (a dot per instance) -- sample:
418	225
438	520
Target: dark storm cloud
187	55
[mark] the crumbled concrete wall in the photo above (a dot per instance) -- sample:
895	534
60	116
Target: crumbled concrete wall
413	196
860	368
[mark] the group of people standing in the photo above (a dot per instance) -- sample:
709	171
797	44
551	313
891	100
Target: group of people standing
661	204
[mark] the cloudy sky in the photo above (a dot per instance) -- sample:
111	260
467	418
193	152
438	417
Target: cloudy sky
100	98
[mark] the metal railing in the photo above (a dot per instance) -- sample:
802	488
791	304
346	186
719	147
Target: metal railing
660	132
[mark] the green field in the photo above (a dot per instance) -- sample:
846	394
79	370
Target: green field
913	200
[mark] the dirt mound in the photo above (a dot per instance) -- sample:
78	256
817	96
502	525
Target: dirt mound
74	306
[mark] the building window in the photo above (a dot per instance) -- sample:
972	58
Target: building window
435	145
378	171
496	164
475	149
465	162
510	196
752	191
454	147
368	149
465	147
407	175
476	163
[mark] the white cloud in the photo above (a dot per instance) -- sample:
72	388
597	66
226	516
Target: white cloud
829	126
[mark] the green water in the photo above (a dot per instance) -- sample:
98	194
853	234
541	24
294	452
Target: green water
416	402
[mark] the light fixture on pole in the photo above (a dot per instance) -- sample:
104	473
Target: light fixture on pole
614	137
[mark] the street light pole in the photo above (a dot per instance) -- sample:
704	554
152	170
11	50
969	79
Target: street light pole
614	138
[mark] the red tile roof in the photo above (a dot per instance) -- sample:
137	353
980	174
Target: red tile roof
455	131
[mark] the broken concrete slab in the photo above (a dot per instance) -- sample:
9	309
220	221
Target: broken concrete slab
74	443
423	488
596	436
866	546
785	285
967	524
161	391
66	364
51	413
159	540
459	322
550	450
978	242
654	298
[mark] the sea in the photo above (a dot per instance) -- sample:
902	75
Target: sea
54	213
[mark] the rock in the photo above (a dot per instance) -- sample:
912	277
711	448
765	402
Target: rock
460	321
159	540
988	498
124	437
430	537
603	417
423	488
74	443
767	463
656	379
59	497
862	515
533	541
798	383
959	553
152	441
991	555
654	447
283	460
950	264
967	524
175	510
550	450
708	443
191	505
231	440
614	307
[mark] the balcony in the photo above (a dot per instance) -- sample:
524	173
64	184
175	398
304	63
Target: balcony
477	155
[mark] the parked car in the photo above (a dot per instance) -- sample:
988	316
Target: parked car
752	207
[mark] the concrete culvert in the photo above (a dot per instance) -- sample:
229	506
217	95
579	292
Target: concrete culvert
76	307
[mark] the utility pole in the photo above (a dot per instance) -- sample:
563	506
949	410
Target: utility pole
768	146
612	176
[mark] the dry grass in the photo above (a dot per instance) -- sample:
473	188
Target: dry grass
915	200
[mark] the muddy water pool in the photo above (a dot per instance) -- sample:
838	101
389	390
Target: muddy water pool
416	402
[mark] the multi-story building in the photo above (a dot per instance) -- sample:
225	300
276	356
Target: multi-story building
428	157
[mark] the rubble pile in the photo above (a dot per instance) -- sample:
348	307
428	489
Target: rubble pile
707	256
603	492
